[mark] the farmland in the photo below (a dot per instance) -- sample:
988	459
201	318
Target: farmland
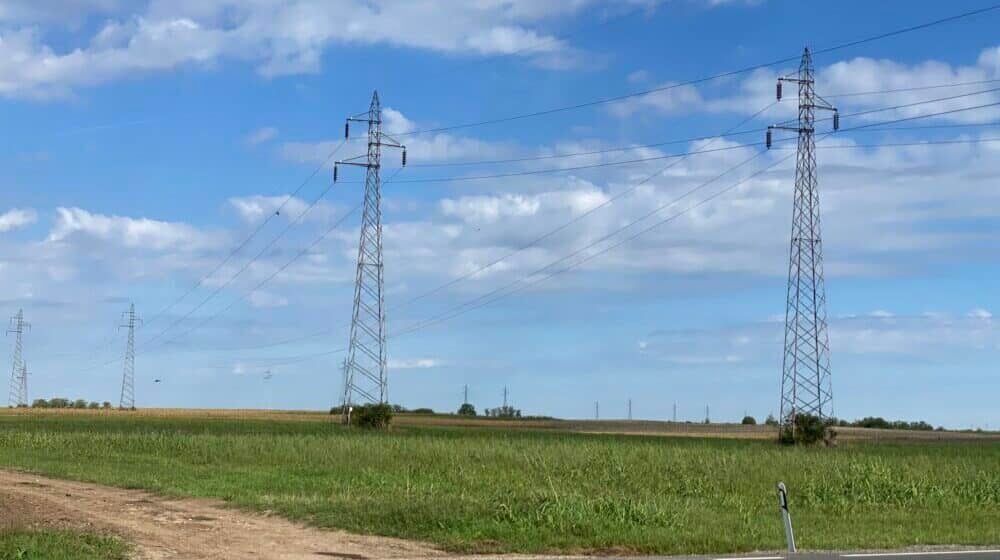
493	488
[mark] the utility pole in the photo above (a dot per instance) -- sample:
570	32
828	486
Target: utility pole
18	395
630	409
365	371
597	410
806	386
505	397
127	400
708	418
675	411
466	401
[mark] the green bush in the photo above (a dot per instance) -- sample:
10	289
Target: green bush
375	416
749	421
806	429
40	403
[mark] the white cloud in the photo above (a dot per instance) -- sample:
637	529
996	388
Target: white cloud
134	233
980	314
415	363
17	218
859	74
254	208
262	135
266	300
279	37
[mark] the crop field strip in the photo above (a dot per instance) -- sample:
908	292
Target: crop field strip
474	489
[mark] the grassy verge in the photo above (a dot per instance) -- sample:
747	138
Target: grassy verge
493	490
59	545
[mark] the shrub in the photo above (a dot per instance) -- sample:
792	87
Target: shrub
749	421
771	420
376	416
94	405
806	429
423	411
40	403
466	410
80	403
106	405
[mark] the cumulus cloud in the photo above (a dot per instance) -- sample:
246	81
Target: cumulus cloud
261	135
254	208
17	218
133	233
857	75
415	363
278	37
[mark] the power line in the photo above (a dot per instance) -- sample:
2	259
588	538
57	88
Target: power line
645	146
704	79
304	251
485	297
253	234
580	217
610	201
247	265
915	88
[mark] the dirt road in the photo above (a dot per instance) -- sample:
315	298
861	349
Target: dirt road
191	529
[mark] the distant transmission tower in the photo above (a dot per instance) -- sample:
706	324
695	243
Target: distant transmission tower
127	400
805	379
18	395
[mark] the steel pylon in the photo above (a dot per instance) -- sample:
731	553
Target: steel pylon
806	386
127	399
18	395
366	363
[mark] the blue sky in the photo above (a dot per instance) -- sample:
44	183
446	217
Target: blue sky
145	140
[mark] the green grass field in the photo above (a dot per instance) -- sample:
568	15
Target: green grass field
529	491
59	545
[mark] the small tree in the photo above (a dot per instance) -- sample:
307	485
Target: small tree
40	403
105	405
80	403
466	410
376	416
749	421
771	420
94	405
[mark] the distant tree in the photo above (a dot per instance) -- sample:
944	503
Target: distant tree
336	410
749	421
94	405
105	405
80	403
503	412
422	411
466	410
40	403
771	420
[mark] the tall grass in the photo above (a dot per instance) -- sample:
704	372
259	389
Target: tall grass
491	490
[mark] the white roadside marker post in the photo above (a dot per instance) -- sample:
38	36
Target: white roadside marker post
786	516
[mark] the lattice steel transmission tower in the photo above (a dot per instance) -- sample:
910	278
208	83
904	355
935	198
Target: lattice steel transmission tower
805	378
18	395
365	369
127	400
